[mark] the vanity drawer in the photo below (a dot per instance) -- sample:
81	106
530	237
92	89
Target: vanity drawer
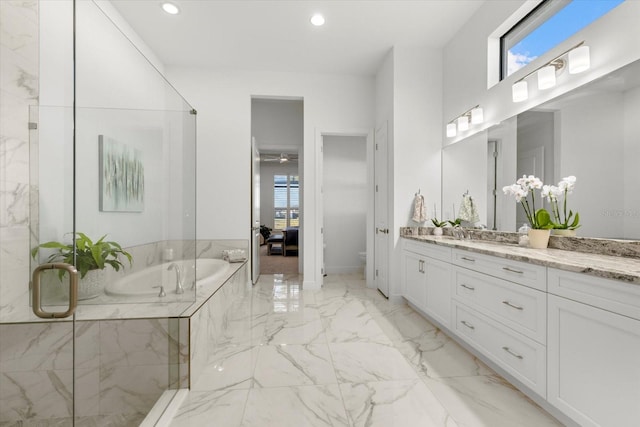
428	249
612	295
519	307
523	358
534	276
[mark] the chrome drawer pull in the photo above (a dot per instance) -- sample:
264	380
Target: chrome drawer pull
467	324
471	288
468	259
517	307
508	350
512	270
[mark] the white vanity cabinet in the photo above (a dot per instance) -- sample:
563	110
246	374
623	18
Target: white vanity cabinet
500	309
594	352
426	279
571	341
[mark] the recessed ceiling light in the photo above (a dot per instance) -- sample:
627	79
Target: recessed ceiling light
170	8
317	20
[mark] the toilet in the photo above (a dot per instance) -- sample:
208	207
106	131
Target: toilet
363	258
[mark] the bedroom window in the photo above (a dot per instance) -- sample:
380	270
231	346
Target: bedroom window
286	201
546	26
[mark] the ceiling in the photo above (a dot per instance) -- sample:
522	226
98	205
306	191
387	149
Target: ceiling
276	35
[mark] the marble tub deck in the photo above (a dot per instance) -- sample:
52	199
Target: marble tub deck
345	356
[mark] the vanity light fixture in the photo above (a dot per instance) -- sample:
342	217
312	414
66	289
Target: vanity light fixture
578	59
170	8
461	123
317	20
477	115
451	130
546	77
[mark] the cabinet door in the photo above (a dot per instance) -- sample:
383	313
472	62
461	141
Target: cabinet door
438	289
414	279
594	364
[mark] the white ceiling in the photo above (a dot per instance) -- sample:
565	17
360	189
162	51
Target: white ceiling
275	35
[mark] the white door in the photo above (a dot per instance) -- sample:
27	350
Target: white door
381	220
530	162
255	212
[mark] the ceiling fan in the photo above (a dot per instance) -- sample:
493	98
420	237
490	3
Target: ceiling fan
281	158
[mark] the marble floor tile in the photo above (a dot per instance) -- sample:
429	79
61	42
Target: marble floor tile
435	355
394	404
233	370
305	406
488	401
365	362
291	365
294	330
204	408
353	323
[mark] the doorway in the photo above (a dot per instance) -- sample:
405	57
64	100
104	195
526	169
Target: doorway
277	129
345	194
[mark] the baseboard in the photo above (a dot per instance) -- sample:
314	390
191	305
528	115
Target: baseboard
343	270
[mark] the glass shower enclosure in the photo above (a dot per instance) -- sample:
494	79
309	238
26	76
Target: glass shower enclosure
112	199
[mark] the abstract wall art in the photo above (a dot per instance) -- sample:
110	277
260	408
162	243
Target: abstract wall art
121	177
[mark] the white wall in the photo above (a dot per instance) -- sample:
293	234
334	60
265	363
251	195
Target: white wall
614	41
631	169
223	100
345	202
417	138
267	171
277	124
132	102
462	164
596	123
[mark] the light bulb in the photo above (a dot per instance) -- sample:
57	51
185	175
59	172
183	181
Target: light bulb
546	77
520	91
451	130
477	115
170	8
463	123
317	20
579	60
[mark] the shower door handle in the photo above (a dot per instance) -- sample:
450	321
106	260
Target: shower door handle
73	291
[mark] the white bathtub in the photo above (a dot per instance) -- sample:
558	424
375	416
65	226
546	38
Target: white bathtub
147	282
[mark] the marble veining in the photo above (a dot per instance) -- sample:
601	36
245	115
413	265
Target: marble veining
416	377
605	266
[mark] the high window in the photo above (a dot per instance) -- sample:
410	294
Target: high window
286	201
549	24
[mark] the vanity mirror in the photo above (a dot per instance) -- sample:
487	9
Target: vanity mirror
592	132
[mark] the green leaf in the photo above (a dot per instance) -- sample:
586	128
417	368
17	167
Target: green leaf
576	221
543	219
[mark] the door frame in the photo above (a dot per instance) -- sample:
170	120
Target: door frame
368	134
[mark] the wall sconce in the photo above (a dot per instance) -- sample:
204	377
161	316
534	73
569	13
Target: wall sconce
461	123
579	61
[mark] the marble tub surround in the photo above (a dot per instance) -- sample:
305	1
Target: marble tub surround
592	245
299	361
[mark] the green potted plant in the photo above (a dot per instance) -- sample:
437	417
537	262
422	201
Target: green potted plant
91	258
437	231
540	219
564	224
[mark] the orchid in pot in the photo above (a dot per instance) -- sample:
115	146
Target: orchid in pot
539	219
564	223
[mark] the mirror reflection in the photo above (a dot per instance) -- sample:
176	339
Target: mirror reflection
592	133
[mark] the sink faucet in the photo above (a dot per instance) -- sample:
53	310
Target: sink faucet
458	232
178	269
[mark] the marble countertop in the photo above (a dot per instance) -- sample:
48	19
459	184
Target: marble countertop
605	266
